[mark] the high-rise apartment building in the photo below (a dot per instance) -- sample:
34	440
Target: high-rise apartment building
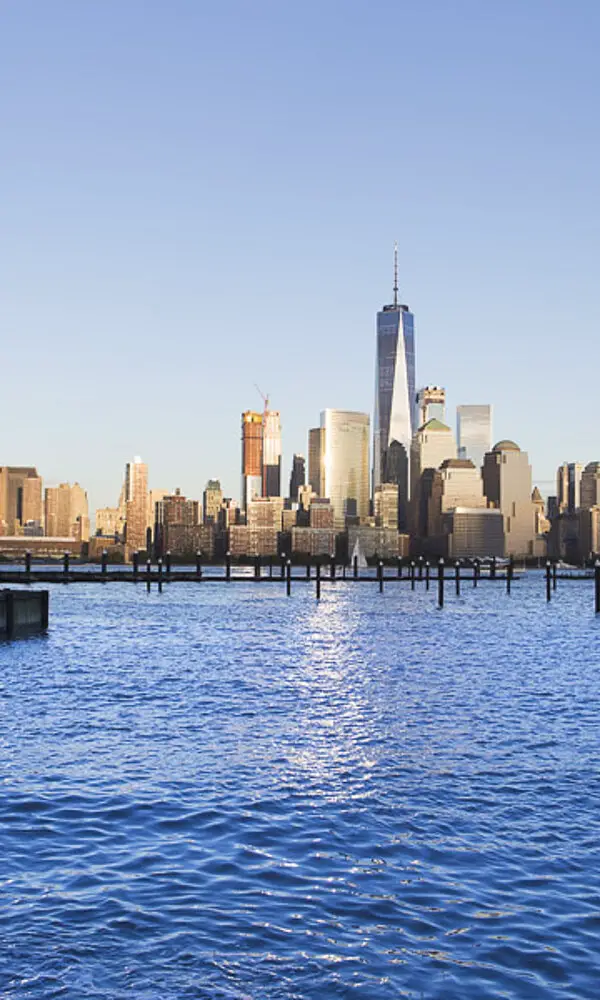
507	485
20	500
590	486
297	477
474	432
66	512
136	505
431	404
395	412
212	498
271	454
345	463
109	522
252	456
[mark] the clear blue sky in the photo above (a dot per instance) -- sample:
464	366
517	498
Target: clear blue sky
200	196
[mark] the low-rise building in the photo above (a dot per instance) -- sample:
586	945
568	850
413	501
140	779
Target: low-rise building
313	541
245	541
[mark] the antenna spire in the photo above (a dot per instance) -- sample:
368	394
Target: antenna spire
395	275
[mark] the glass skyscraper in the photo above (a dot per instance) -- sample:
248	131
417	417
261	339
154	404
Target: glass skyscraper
474	432
395	417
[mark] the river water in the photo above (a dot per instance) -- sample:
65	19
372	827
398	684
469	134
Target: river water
223	792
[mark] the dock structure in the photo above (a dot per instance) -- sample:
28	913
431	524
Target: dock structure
23	612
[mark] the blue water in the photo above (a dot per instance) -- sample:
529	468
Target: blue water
221	792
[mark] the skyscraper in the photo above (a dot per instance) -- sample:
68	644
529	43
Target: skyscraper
315	458
474	432
211	501
507	485
271	454
395	416
20	501
136	505
345	463
252	456
66	511
590	485
298	476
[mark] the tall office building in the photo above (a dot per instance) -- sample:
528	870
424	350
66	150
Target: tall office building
271	454
136	504
432	444
590	486
474	432
252	456
345	464
568	487
395	412
507	485
212	498
431	404
297	477
20	500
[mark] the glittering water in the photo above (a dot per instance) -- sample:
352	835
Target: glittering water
226	793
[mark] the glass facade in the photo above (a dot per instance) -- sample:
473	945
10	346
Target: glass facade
395	417
474	432
345	464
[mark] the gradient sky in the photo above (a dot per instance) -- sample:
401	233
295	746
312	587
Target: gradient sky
200	196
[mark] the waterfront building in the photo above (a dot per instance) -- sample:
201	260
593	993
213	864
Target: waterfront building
66	512
297	477
345	463
154	496
590	486
474	432
136	505
395	412
313	542
507	486
316	452
385	505
249	541
40	546
252	456
20	500
271	454
377	542
473	533
177	509
589	532
212	499
432	444
183	541
431	404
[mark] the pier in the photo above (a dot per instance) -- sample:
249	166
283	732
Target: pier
23	611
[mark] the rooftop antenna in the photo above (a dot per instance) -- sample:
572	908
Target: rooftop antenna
395	275
265	399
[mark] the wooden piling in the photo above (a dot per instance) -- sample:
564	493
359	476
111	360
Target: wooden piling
288	577
380	575
441	583
136	565
318	581
355	567
548	581
399	567
199	565
148	574
597	584
427	574
412	574
9	606
476	571
66	564
160	572
228	566
509	574
457	577
168	562
45	608
332	568
104	561
554	575
308	569
28	562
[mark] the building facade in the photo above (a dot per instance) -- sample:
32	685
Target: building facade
590	486
345	464
252	456
20	500
136	505
431	404
507	486
271	454
297	477
212	498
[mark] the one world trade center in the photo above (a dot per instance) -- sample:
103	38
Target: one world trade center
395	417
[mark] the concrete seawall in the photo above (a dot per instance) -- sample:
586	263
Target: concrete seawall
23	611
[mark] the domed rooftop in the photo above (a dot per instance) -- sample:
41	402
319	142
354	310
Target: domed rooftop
506	446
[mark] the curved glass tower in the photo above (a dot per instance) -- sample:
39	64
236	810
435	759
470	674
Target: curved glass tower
395	417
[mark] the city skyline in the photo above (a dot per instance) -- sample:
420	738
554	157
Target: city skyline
147	223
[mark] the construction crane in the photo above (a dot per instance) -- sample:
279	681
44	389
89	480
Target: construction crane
264	398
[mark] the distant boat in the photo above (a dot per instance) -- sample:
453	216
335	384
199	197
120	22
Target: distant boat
358	554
